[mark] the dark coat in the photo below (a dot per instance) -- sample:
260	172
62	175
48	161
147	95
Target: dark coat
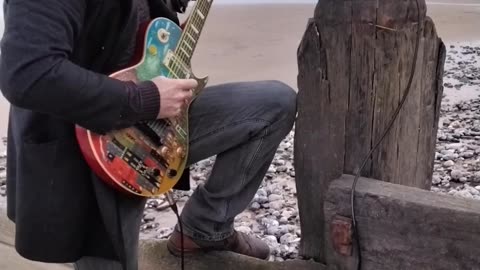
55	55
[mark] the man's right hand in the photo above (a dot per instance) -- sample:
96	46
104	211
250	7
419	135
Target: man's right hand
174	94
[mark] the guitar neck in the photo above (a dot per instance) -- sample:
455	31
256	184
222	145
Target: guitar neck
192	30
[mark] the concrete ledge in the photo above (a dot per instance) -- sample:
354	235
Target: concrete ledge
155	256
402	227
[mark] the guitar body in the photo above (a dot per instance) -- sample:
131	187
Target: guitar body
148	158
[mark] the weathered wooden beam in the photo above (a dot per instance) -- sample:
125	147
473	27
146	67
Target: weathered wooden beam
354	64
402	227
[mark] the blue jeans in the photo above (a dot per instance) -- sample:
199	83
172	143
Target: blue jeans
243	124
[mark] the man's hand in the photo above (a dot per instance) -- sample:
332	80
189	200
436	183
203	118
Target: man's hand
174	94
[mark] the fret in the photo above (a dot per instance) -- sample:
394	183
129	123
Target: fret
192	30
183	53
195	29
190	37
188	46
199	13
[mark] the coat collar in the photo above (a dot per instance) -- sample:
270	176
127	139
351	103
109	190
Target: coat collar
159	8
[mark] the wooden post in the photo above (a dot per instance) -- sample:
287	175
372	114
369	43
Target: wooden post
354	63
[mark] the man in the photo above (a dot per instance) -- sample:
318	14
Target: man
55	60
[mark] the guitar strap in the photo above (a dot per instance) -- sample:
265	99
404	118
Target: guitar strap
177	5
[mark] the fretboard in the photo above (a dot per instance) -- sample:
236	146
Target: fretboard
192	30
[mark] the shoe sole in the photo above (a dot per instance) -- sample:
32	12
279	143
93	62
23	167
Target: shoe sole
177	252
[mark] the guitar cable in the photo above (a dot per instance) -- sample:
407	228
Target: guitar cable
173	206
384	135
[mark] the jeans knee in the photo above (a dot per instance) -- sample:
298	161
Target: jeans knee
284	101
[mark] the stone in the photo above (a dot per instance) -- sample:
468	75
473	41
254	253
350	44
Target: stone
464	193
255	206
287	238
274	197
261	192
283	220
278	162
454	146
467	154
476	177
283	229
456	174
270	239
256	228
273	230
244	229
436	180
262	199
149	217
276	205
448	163
473	191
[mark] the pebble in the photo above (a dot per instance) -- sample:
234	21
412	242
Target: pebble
164	233
467	154
465	194
436	179
276	205
271	240
456	174
255	206
149	217
244	229
274	197
476	177
448	163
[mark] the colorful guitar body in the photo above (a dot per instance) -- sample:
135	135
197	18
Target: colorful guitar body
149	158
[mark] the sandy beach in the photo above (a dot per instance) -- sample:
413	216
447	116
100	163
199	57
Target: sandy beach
255	42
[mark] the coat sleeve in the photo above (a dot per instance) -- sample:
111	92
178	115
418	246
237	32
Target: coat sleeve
36	73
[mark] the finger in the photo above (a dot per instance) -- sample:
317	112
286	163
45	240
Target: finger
186	95
187	84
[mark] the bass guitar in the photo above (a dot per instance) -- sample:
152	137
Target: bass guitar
148	159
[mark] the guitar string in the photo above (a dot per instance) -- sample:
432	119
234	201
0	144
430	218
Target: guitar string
179	69
172	202
196	20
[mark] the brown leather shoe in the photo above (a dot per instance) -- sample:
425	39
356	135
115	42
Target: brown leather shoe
238	243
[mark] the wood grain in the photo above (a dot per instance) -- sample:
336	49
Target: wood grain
403	227
354	63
